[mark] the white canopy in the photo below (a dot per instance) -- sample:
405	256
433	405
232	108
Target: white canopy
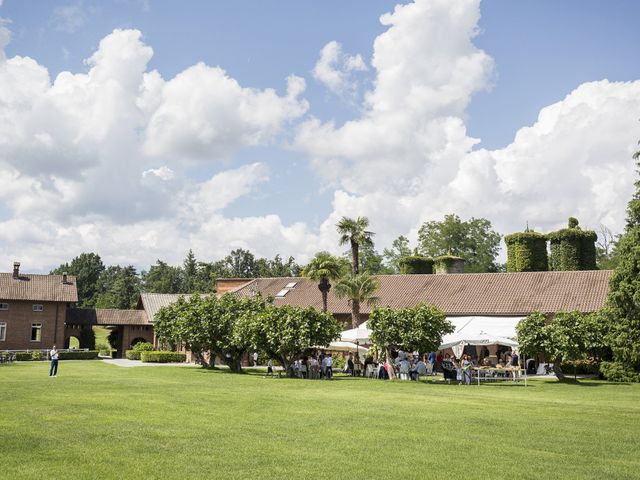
362	334
481	331
340	346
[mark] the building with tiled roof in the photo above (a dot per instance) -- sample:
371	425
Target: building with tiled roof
464	294
33	309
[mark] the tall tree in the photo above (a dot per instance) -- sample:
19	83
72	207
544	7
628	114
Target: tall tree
474	240
371	261
358	289
413	329
606	252
323	268
354	232
400	248
623	301
163	278
87	268
287	332
118	287
190	273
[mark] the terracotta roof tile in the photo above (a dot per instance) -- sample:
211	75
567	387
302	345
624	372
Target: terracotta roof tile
44	288
460	294
152	302
107	316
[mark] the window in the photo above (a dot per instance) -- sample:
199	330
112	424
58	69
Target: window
3	331
282	293
36	332
38	308
291	285
4	306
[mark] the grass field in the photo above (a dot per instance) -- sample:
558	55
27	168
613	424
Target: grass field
101	421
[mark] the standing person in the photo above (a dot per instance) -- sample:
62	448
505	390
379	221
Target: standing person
255	359
313	367
458	366
327	366
433	360
448	369
404	369
467	369
53	371
270	367
514	364
350	366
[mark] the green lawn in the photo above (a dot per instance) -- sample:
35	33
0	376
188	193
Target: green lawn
101	421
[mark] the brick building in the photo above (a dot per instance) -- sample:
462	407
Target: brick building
33	309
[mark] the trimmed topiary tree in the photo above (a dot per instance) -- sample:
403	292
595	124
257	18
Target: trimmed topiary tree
572	248
527	252
415	264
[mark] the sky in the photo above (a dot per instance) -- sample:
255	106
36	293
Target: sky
138	129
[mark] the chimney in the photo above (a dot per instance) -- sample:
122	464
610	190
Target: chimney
64	277
448	264
16	270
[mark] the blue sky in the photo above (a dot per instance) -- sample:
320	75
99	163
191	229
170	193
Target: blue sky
524	56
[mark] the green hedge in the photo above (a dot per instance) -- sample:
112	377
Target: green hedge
527	252
580	367
572	248
24	356
162	357
618	372
132	354
444	263
415	264
78	355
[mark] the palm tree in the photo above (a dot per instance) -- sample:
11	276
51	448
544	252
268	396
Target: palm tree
354	233
322	268
358	289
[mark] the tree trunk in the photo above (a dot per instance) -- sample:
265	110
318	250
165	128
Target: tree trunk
235	365
558	371
355	313
391	371
324	286
354	258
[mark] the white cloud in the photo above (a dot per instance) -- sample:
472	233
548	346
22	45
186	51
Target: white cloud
334	68
69	18
408	158
100	160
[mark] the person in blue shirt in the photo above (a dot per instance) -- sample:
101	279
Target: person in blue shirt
433	362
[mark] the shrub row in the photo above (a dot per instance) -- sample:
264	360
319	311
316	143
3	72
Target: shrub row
162	357
71	355
79	355
618	372
132	354
581	367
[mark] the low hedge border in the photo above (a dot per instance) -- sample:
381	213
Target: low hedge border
162	357
79	355
132	354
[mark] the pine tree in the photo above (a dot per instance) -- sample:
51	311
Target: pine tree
623	303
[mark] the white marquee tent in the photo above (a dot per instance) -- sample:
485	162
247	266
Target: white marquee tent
481	331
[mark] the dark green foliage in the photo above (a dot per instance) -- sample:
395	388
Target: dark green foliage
113	338
87	338
79	355
474	240
572	248
415	264
581	367
619	372
418	328
287	332
143	347
353	231
163	278
118	287
87	268
526	252
162	357
24	356
371	261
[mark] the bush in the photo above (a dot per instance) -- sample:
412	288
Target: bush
618	372
143	347
132	355
24	356
37	355
78	355
580	367
162	357
415	264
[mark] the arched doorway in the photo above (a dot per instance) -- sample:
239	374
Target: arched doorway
72	342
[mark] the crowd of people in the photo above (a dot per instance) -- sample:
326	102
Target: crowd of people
405	366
